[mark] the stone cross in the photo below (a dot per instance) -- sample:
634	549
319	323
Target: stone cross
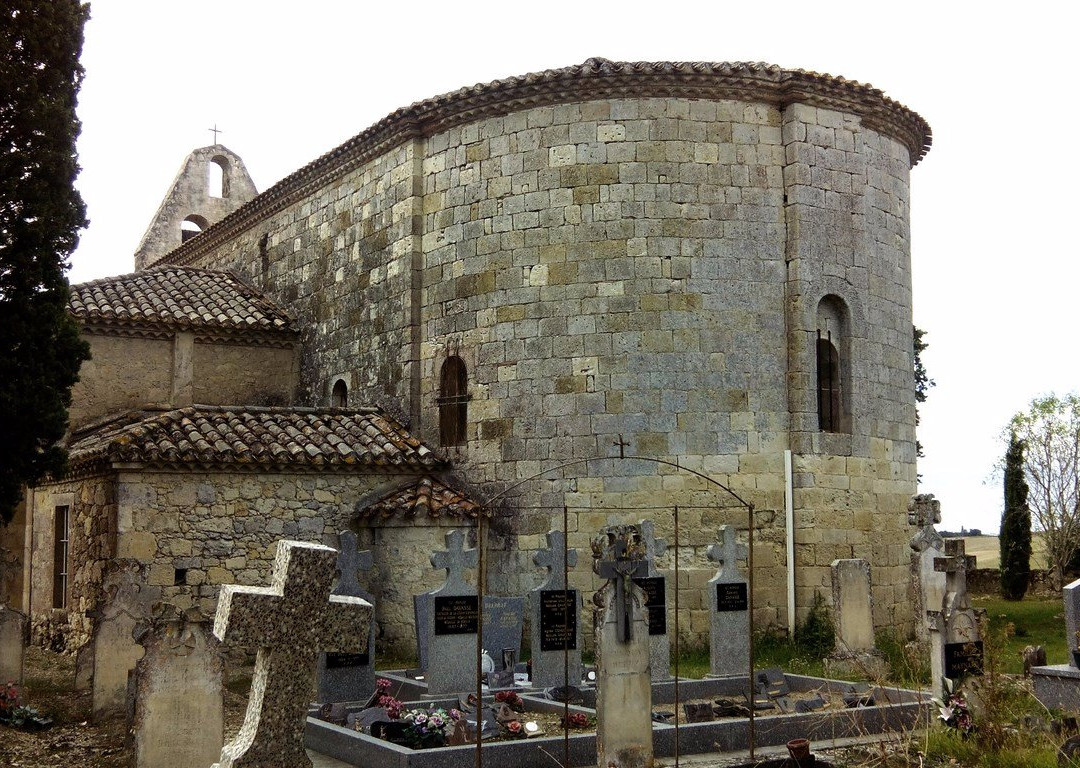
455	559
215	130
351	561
955	565
654	547
289	622
619	556
555	558
728	554
923	510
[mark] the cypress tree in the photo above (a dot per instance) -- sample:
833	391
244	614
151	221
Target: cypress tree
1015	536
40	216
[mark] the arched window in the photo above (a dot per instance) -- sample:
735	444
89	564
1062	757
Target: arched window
453	401
191	226
218	179
339	398
832	352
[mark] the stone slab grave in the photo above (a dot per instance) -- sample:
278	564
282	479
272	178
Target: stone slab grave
126	605
654	584
894	710
289	623
956	648
555	613
728	599
448	620
349	676
623	650
853	608
927	584
12	645
179	713
1058	685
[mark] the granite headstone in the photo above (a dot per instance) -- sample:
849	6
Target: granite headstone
728	598
349	676
555	613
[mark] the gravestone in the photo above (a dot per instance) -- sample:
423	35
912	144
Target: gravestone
955	644
289	622
349	676
1057	686
624	682
447	621
555	612
179	716
504	618
1071	594
853	607
728	598
927	584
12	645
115	652
655	587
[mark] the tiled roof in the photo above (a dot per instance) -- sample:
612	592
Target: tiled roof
177	297
596	78
427	497
324	439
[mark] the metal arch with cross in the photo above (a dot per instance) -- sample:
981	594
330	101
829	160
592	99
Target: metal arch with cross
728	553
289	623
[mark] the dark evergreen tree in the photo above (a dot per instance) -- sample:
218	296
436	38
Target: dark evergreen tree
1015	536
40	216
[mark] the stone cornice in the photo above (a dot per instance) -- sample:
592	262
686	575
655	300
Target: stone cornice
592	80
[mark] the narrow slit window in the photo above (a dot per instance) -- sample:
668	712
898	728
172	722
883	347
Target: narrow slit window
828	384
453	401
61	542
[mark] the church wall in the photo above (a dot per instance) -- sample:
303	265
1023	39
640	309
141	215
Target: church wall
230	374
92	503
123	372
649	268
13	556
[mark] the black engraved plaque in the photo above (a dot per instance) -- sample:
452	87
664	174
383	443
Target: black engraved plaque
731	597
963	659
655	603
558	619
346	660
457	615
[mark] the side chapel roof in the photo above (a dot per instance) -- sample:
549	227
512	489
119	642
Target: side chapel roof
427	497
178	298
253	437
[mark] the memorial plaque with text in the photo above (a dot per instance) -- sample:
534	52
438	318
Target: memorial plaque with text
457	615
655	603
558	619
963	659
346	660
731	597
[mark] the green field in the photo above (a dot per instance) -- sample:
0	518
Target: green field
988	552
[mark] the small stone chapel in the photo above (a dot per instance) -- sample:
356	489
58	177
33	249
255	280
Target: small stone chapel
705	263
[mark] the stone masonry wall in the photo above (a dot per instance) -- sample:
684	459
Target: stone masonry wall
122	373
649	268
92	543
227	374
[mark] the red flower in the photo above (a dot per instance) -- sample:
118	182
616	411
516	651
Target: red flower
514	727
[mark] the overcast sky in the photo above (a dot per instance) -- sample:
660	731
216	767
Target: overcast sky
995	263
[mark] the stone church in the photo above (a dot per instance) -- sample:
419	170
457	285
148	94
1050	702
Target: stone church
484	306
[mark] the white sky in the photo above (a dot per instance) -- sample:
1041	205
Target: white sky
995	270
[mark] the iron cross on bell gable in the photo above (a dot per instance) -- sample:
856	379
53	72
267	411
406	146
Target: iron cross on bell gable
619	555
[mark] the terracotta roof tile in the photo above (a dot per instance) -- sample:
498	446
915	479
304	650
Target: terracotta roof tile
428	497
331	439
177	297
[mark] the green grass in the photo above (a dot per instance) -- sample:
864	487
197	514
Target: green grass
946	748
1036	620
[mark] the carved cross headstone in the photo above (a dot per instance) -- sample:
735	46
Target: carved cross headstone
729	607
619	556
556	628
927	584
955	642
455	559
289	622
655	586
349	676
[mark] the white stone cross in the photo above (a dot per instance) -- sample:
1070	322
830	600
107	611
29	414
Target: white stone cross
289	622
555	558
455	560
654	547
728	554
349	562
